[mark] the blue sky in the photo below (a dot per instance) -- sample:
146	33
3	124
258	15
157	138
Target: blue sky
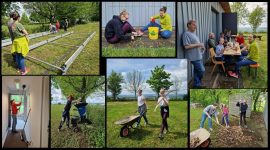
177	67
95	98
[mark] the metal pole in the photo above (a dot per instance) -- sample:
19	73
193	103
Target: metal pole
48	40
77	52
45	62
63	44
31	36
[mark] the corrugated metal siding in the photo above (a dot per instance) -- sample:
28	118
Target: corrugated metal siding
201	12
233	109
139	12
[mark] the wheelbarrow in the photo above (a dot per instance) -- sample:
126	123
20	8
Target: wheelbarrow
127	123
200	138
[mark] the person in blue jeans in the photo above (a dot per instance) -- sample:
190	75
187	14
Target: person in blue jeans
208	112
194	50
165	26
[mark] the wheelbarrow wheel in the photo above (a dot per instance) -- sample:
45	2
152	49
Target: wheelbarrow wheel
124	131
206	143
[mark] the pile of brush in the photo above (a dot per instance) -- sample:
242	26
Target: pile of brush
235	135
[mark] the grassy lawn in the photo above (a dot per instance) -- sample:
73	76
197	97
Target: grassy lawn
86	63
261	80
147	136
90	135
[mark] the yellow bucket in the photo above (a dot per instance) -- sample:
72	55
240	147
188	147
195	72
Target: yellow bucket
153	33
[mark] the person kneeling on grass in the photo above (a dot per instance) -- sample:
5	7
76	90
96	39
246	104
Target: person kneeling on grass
163	101
20	46
142	108
66	114
118	27
209	111
225	115
251	59
165	26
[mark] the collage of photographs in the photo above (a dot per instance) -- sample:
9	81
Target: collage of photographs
132	74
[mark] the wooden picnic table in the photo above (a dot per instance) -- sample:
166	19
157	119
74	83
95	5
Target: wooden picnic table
233	52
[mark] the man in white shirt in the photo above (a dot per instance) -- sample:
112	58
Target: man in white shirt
142	107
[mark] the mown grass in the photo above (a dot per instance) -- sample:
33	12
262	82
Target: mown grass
147	136
86	63
261	80
90	136
139	52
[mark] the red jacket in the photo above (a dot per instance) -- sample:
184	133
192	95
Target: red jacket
14	108
240	40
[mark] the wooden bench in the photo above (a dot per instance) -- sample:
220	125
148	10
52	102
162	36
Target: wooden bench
256	66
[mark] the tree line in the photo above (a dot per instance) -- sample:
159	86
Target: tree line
134	80
210	96
254	18
49	12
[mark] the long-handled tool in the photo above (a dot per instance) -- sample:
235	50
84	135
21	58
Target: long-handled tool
218	123
21	133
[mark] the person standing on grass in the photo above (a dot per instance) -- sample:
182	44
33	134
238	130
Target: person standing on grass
66	114
57	25
242	108
208	112
194	52
10	22
251	59
65	24
225	115
163	102
142	108
14	109
119	29
165	26
20	46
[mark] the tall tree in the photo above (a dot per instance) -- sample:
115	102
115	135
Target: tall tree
133	81
255	18
242	12
159	79
79	86
114	84
176	85
25	19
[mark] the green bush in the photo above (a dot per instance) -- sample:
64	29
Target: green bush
32	28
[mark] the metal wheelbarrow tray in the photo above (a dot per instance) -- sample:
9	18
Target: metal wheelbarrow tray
127	123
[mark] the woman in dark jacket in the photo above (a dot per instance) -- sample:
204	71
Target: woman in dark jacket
118	27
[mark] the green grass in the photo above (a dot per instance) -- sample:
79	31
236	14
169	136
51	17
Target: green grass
139	52
147	136
90	136
86	63
261	80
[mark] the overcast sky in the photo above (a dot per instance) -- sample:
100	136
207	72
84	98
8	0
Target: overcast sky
251	6
177	67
